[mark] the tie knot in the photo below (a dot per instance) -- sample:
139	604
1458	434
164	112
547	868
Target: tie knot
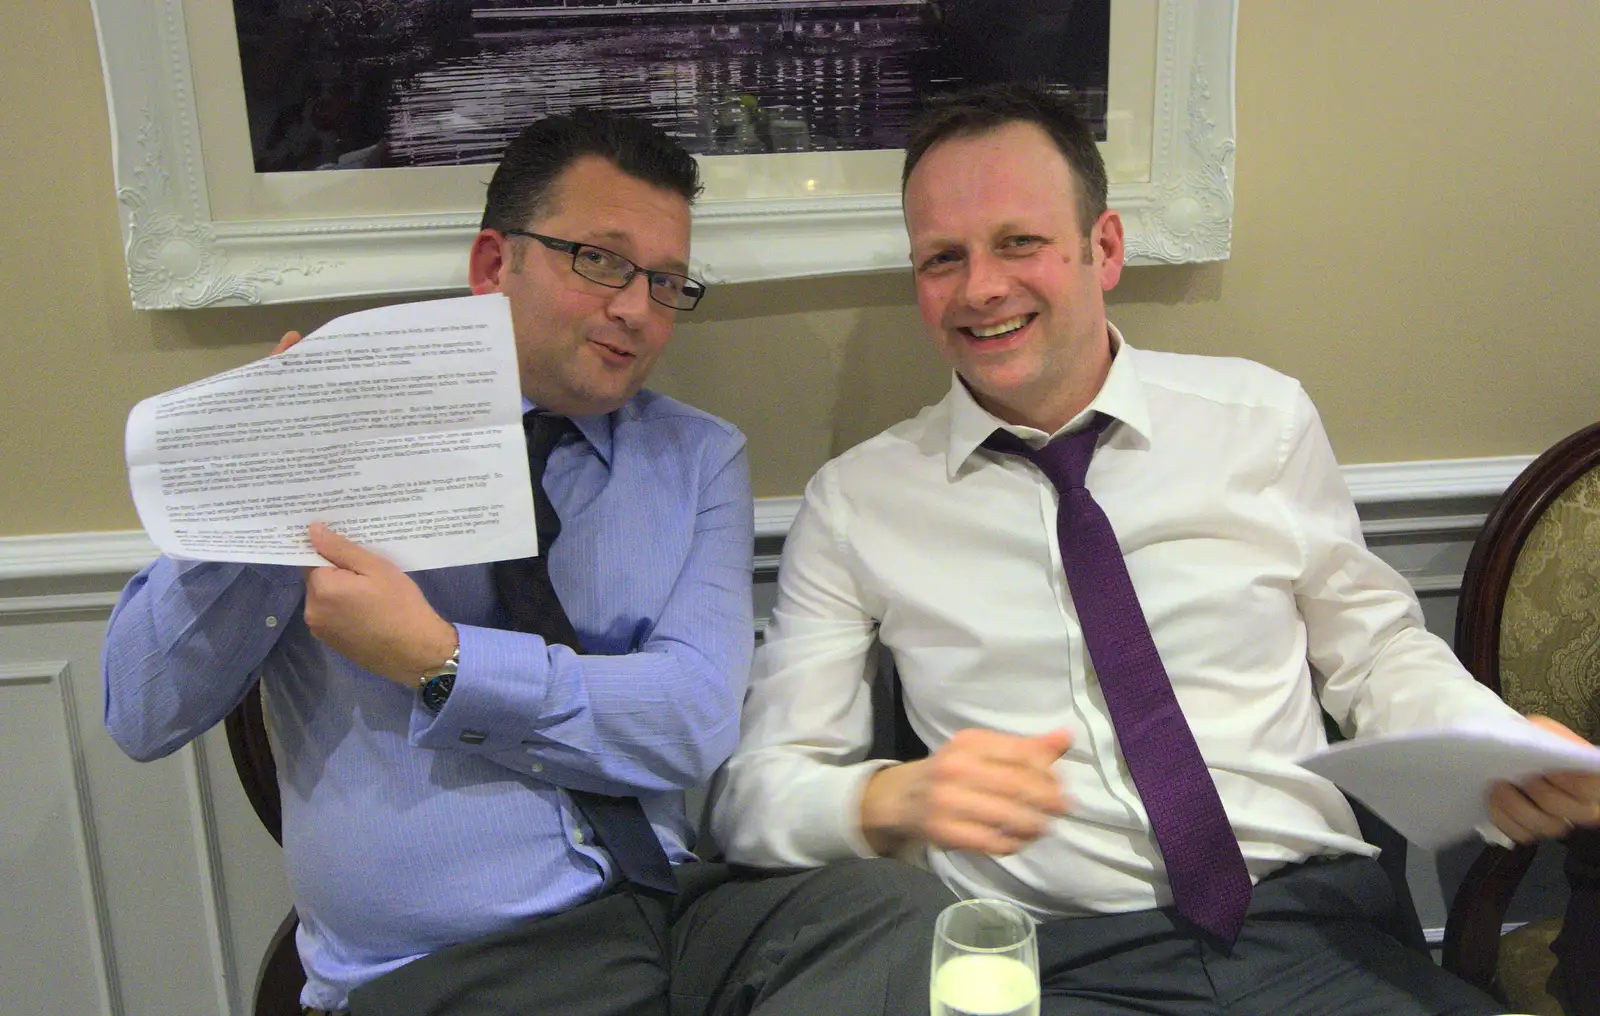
544	431
1064	460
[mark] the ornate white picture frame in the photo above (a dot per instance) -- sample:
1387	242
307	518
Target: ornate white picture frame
201	228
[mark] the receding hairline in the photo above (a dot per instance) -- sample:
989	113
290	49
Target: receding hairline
977	131
972	132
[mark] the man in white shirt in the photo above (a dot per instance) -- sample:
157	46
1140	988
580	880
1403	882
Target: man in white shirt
1246	555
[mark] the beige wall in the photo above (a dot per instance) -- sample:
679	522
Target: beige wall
1416	238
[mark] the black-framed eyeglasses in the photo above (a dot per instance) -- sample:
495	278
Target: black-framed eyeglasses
609	268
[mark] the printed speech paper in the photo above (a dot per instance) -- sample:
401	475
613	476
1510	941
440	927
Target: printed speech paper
399	427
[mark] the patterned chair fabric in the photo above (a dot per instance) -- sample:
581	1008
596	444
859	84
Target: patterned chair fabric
1550	665
1528	626
1550	631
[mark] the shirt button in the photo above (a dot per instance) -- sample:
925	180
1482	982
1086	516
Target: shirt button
577	836
538	767
272	622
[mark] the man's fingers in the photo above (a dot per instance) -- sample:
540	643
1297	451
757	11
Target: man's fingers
1503	809
289	339
1519	817
337	550
1586	788
992	792
974	836
1556	727
1040	751
1574	797
1047	748
1006	777
1039	790
982	791
949	803
1579	800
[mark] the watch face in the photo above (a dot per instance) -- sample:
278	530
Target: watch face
436	691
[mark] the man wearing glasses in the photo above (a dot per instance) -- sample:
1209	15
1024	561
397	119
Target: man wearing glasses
483	767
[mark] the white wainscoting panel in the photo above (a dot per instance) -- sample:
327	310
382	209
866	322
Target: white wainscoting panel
54	932
249	893
169	941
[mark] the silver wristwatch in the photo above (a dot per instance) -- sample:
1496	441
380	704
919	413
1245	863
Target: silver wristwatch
435	686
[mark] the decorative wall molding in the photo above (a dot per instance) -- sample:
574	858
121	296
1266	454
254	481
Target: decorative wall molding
58	555
1421	525
104	955
774	516
1438	480
58	605
1374	485
182	254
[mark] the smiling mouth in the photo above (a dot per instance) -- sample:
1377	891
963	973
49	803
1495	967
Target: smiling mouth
1000	330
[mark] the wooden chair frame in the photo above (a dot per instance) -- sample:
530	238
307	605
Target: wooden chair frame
280	977
1472	929
246	727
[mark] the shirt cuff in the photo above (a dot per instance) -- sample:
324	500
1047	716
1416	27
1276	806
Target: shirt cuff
498	695
852	815
828	827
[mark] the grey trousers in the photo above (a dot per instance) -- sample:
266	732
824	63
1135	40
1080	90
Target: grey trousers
1311	944
850	938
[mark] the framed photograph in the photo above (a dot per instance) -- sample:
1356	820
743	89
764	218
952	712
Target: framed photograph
253	166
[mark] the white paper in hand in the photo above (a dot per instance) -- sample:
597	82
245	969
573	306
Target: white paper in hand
400	428
1433	786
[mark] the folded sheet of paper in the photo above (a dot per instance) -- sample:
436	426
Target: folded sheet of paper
399	427
1433	786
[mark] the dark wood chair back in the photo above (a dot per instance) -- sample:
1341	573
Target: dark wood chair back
280	978
246	727
1473	930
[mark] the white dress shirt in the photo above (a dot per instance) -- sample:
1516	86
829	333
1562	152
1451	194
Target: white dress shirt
1247	555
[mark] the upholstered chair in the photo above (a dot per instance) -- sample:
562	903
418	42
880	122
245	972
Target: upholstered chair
1528	626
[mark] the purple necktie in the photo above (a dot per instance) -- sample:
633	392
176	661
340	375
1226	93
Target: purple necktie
1210	884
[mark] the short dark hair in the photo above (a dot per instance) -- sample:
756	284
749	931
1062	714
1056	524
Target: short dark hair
975	111
519	191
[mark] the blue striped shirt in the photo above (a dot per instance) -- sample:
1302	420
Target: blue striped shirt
400	837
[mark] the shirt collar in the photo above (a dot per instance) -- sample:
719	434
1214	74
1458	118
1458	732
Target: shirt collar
1121	397
595	429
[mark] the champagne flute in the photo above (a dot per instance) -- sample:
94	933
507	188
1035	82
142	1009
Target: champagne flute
985	961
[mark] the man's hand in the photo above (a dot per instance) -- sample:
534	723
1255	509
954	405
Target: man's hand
373	613
1546	806
982	790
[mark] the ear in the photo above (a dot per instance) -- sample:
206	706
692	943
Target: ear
489	261
1106	241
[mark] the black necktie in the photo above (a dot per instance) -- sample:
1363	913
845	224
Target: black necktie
530	604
